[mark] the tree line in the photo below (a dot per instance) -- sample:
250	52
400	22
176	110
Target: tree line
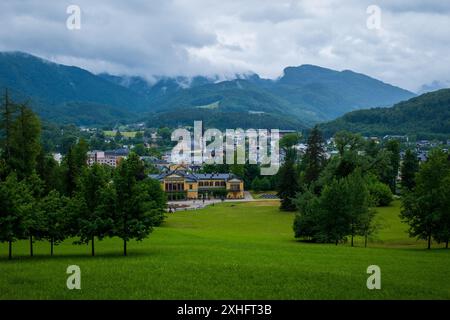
42	200
426	202
334	198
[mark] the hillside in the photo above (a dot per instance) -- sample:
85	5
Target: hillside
66	94
426	116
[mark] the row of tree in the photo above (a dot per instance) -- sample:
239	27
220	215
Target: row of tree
42	200
426	205
343	208
334	197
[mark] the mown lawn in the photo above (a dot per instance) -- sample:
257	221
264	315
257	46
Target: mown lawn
232	251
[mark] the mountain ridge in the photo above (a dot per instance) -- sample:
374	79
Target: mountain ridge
305	95
425	116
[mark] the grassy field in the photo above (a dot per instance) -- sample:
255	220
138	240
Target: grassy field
232	251
126	134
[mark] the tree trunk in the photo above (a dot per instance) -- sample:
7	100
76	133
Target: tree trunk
124	247
352	240
429	241
93	249
51	247
31	246
446	244
365	240
10	249
337	241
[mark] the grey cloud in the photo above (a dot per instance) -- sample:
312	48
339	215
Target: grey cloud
190	37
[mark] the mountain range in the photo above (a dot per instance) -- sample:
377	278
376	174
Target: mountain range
302	96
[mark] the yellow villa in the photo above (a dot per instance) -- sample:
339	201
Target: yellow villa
181	185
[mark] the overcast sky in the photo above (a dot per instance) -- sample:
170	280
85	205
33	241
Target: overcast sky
207	37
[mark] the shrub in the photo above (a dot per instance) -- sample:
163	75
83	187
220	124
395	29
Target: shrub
381	194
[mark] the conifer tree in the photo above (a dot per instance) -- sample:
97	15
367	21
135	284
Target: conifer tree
409	168
93	221
288	185
25	142
314	159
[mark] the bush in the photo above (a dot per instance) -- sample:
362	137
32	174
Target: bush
265	184
381	194
256	184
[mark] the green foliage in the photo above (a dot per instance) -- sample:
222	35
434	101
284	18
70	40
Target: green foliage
314	159
442	233
381	193
49	172
136	212
425	208
57	218
72	166
347	141
307	219
393	146
95	219
19	138
288	184
341	210
409	168
261	184
289	140
15	199
93	204
25	142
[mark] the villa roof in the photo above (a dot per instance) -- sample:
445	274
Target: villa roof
192	177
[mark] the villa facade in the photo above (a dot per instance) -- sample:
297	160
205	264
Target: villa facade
182	185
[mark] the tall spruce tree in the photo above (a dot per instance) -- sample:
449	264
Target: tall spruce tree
288	184
314	159
73	165
8	110
409	168
25	143
48	170
393	146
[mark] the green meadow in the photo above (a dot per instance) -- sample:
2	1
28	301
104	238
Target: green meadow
232	251
126	134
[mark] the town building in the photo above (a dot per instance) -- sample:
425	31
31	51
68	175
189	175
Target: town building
110	157
183	185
